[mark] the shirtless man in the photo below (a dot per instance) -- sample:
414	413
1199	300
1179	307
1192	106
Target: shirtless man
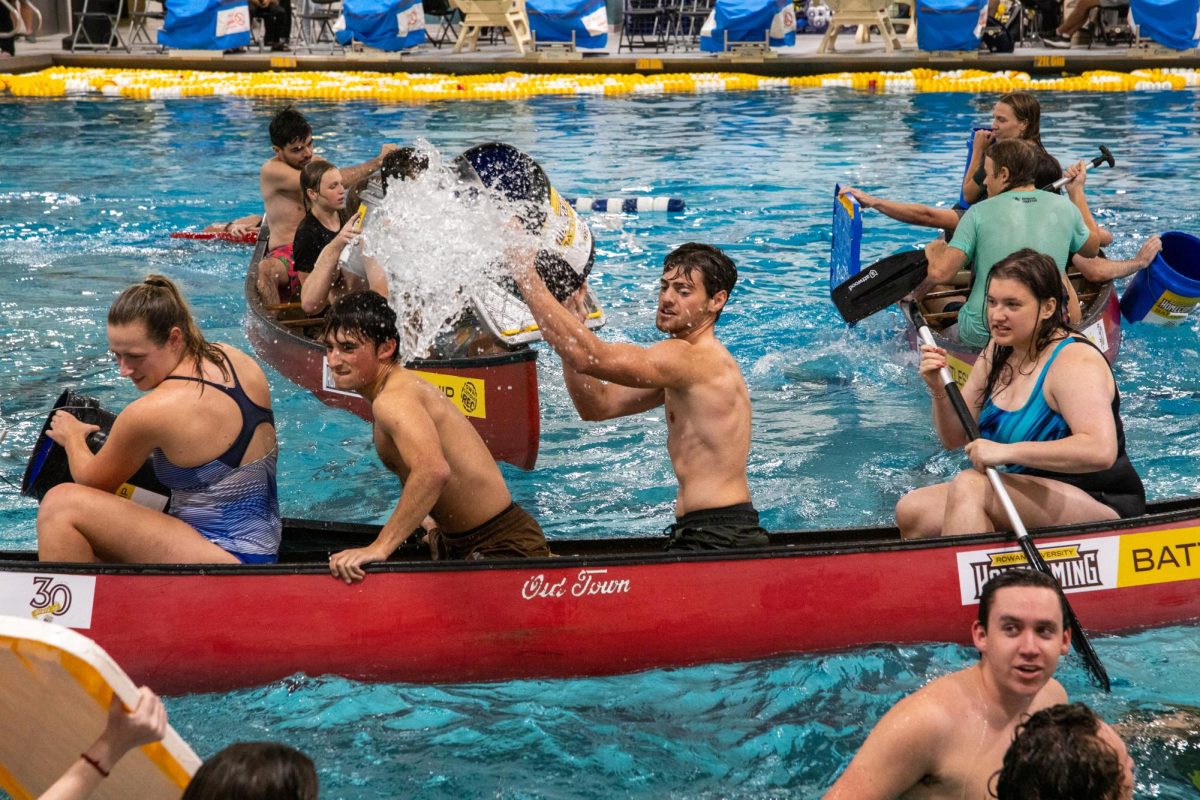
279	182
691	374
447	471
949	738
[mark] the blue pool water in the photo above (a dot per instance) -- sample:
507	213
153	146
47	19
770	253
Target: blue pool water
91	188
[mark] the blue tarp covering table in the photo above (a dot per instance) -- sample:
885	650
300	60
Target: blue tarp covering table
205	25
1171	23
558	20
734	21
950	24
382	24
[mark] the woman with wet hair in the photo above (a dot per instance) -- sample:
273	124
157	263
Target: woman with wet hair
1048	410
205	423
255	771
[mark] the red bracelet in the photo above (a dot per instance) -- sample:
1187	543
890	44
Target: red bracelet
103	772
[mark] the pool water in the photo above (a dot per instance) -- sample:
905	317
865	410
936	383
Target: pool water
91	188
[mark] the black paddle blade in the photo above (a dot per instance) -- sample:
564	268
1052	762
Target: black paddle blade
879	285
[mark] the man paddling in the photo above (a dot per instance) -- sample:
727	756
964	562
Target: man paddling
279	182
949	738
447	471
691	374
1014	216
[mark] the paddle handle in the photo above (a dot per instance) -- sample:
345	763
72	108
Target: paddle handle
1034	556
1105	157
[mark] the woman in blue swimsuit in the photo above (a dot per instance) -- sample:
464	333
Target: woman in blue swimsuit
205	422
1048	411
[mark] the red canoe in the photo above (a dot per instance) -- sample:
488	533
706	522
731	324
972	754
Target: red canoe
600	607
497	389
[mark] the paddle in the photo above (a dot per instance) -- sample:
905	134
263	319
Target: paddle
1082	645
888	281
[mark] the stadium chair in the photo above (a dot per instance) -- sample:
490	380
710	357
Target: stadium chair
866	13
447	15
480	14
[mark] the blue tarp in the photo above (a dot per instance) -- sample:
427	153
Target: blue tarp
749	21
556	20
844	257
1171	23
382	24
205	25
950	24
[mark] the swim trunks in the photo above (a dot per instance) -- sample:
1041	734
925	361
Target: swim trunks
717	529
233	505
510	534
284	254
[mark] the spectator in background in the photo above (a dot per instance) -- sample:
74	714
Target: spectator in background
277	22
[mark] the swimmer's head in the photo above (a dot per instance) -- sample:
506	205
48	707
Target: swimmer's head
402	164
1014	578
255	769
717	272
157	305
1025	114
311	179
1009	164
291	137
1065	752
1047	172
365	316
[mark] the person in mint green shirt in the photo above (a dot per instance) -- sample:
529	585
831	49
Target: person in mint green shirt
1015	215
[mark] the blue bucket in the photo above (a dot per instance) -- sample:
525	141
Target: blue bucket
1169	288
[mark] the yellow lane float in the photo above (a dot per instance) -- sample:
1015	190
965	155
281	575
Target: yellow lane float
400	87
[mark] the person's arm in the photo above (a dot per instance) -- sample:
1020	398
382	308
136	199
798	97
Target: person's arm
314	292
352	175
125	450
146	723
944	263
895	757
971	190
1077	172
634	377
1100	269
1080	387
910	213
415	437
945	420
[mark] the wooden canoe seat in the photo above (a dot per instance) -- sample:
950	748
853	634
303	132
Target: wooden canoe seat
275	308
480	14
302	322
865	14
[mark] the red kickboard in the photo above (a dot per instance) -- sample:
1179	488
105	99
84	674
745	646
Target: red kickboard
250	237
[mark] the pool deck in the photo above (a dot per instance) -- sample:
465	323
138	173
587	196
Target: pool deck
799	59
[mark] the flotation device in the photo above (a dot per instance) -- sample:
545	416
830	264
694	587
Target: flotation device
962	200
48	464
250	237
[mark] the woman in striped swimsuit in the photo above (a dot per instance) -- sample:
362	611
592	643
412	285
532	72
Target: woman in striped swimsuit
1048	410
205	421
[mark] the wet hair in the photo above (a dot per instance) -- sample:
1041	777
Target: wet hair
402	164
1010	578
287	126
1039	274
255	771
1047	172
1058	755
311	176
158	305
1027	109
366	315
1019	157
717	269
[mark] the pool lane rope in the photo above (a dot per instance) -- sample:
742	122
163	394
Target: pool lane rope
627	205
386	87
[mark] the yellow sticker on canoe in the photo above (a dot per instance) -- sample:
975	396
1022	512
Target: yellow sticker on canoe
959	369
466	393
1159	557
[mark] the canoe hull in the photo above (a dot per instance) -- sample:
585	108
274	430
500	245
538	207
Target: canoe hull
621	608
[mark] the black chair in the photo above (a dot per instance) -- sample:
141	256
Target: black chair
647	22
141	14
689	21
449	18
316	21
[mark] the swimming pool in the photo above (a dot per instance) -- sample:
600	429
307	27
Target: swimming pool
841	423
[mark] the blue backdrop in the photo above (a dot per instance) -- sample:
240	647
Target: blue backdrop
1171	23
556	20
749	21
382	24
205	25
950	24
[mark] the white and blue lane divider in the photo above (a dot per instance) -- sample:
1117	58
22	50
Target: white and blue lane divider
627	205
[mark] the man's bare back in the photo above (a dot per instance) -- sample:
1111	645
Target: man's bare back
474	491
283	206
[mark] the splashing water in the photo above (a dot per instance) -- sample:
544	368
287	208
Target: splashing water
441	239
